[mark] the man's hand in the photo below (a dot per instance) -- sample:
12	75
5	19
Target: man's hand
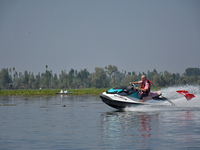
143	90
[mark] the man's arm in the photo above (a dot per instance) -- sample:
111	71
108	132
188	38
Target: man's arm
134	82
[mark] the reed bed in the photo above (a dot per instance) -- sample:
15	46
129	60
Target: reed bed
51	91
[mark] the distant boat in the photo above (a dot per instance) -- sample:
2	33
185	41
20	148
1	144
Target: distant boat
63	93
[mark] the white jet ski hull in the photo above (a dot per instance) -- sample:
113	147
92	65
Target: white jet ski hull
120	102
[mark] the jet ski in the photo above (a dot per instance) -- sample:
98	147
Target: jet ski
122	97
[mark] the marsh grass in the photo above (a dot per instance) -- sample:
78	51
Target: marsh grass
53	91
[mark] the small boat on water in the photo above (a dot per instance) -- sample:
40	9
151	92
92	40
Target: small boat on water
63	93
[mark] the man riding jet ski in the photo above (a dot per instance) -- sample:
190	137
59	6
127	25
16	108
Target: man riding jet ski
145	93
122	97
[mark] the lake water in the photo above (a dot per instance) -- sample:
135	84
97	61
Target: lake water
85	122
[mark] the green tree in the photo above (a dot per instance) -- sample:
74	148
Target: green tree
5	78
38	80
168	78
71	77
64	82
18	84
130	78
99	78
133	73
25	78
55	82
31	82
192	72
110	70
83	76
158	81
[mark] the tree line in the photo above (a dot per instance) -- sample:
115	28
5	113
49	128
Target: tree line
106	77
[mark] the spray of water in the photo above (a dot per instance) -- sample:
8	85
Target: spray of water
179	100
171	93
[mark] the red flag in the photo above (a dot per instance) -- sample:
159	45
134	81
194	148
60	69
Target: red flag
188	96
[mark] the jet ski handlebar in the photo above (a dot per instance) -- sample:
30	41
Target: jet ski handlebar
133	85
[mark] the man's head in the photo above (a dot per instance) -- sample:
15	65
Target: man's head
143	78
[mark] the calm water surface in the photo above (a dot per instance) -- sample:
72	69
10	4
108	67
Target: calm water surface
85	122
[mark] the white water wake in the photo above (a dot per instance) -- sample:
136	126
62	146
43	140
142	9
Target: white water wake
179	100
181	103
171	93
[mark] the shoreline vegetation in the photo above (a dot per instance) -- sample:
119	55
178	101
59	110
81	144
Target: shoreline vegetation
106	77
41	92
51	91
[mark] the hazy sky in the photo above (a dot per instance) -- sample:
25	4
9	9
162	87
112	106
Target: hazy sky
134	35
